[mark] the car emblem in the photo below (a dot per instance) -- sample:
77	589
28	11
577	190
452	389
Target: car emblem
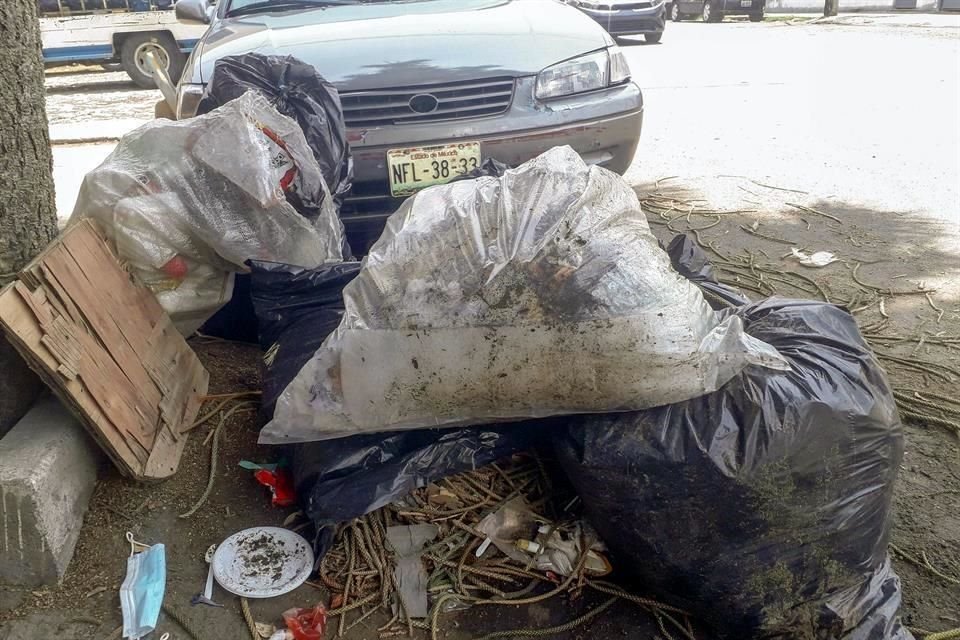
423	103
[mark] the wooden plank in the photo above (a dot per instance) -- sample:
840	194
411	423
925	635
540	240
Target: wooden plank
163	456
137	296
101	341
24	334
103	320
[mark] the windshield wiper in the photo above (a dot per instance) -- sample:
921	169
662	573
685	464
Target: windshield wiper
281	5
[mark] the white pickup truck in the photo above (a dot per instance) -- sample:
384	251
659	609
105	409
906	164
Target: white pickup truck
117	31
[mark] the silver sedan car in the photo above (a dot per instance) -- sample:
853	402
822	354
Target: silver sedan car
431	88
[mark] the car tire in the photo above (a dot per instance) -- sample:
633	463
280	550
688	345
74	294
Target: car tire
756	17
675	14
652	38
710	13
131	57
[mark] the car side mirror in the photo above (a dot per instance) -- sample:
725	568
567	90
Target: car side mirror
193	11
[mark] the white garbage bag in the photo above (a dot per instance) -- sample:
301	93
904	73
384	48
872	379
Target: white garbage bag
186	203
539	293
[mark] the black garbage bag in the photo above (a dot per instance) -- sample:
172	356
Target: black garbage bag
764	507
339	480
298	91
692	263
296	309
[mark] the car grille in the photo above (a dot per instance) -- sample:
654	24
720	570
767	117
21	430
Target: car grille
454	101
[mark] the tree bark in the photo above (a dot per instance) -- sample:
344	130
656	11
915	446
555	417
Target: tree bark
830	8
28	213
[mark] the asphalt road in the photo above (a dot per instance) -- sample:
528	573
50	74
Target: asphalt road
866	114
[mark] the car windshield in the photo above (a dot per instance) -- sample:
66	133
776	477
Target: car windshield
238	7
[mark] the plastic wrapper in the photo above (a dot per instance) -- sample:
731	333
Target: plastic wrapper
540	292
298	91
763	506
186	203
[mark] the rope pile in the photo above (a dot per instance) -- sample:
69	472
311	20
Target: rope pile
359	567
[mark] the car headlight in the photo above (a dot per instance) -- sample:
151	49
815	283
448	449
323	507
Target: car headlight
589	72
188	99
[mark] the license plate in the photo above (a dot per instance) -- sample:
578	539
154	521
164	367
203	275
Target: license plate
746	3
421	167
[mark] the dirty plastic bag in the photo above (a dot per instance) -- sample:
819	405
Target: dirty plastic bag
186	203
347	478
298	91
763	506
537	293
296	309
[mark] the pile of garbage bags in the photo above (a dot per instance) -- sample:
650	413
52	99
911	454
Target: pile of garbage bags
757	495
736	458
541	292
187	203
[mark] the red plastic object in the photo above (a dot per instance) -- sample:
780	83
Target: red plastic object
281	486
176	268
306	624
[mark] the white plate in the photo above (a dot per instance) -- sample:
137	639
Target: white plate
262	562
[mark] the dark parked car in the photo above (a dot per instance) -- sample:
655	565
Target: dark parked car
627	17
715	10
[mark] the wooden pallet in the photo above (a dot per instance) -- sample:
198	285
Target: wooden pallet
104	345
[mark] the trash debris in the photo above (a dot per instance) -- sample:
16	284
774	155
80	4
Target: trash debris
408	542
106	348
299	92
480	293
306	624
141	594
262	562
557	550
765	504
817	259
512	522
206	596
281	486
185	203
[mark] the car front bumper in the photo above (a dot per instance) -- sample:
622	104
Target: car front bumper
629	21
602	126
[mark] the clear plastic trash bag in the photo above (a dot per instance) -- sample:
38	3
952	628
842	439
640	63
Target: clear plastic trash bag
186	203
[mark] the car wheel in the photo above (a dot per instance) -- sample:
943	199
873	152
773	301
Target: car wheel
652	38
675	14
756	17
710	13
133	57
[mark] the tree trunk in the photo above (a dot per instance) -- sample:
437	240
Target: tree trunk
830	8
28	213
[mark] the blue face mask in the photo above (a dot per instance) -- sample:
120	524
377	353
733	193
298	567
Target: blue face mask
141	593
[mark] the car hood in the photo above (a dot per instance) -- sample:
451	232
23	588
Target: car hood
368	46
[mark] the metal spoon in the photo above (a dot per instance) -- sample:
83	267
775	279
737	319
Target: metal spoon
207	595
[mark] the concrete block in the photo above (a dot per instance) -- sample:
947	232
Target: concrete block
48	468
